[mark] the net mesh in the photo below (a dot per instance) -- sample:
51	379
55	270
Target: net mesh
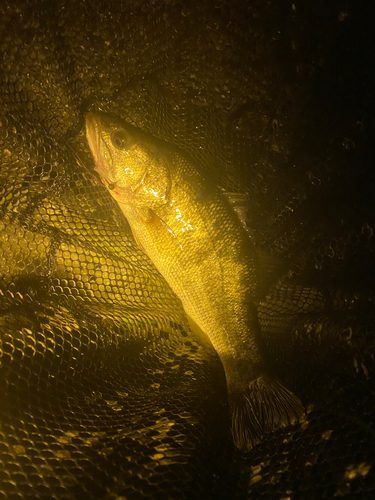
105	392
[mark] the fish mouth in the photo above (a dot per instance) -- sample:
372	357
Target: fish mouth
93	134
94	138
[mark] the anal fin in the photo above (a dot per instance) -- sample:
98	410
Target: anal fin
201	337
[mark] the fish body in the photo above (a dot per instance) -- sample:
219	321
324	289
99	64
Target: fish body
188	228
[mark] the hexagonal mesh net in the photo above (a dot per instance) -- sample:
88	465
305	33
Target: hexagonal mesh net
105	392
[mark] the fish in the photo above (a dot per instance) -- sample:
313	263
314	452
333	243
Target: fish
192	233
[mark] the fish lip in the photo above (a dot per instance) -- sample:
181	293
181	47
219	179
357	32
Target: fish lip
123	195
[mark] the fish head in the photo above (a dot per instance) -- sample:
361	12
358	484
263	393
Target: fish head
131	164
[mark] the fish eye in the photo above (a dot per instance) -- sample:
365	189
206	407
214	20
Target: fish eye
121	139
117	142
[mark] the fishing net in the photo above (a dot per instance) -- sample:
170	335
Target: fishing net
105	392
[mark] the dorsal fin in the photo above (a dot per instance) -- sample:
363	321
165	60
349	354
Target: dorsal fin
240	204
270	268
270	271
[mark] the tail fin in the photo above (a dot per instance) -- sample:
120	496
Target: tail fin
265	406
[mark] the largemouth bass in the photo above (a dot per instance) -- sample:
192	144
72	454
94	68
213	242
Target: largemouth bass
190	231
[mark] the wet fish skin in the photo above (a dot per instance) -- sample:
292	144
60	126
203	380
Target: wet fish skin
187	227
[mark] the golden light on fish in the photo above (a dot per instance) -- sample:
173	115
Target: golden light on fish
191	232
